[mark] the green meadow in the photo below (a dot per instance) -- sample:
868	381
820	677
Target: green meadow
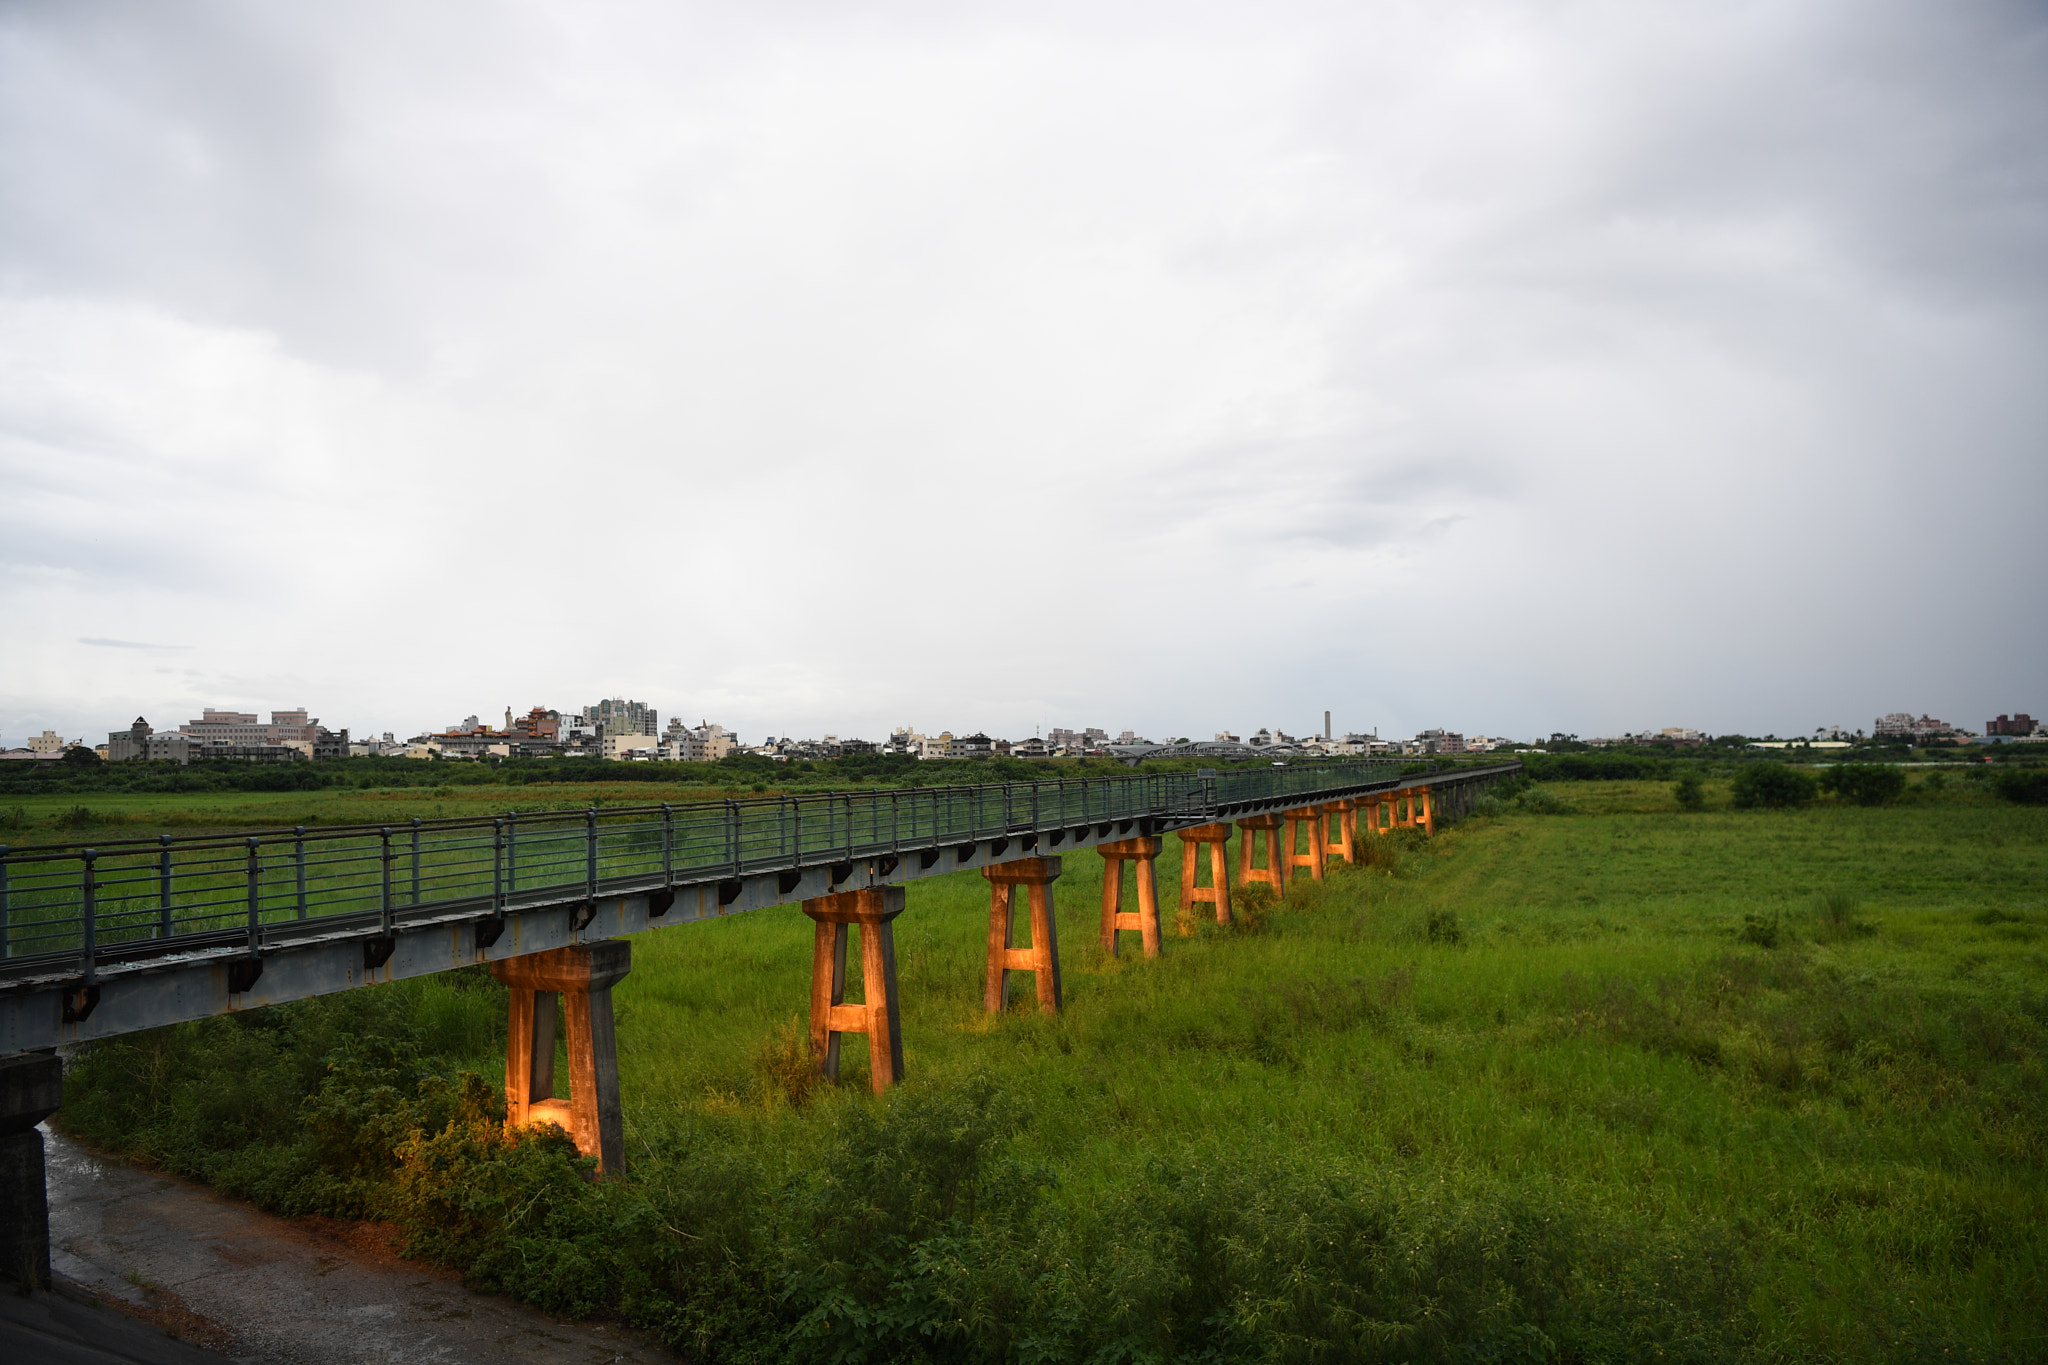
1586	1077
69	817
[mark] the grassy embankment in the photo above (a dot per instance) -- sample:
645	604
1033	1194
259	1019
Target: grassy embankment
1601	1084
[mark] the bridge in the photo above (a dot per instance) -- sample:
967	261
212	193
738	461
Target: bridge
121	935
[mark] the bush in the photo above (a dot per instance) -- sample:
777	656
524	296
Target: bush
1762	930
1866	784
1543	801
1773	786
1595	767
1689	792
2026	786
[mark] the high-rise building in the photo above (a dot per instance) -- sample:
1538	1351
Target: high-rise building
618	716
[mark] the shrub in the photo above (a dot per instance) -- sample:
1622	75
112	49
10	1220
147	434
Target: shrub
1689	792
1762	930
1251	905
1836	910
1442	927
786	1063
2025	786
1594	767
1773	786
1866	784
1543	801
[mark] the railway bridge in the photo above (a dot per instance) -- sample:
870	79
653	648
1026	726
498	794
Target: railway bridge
124	935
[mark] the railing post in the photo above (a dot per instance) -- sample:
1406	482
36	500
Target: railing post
299	864
497	867
668	844
255	904
166	919
511	852
6	948
732	834
384	908
89	890
590	851
415	860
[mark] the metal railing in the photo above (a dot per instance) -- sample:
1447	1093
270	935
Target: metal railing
116	897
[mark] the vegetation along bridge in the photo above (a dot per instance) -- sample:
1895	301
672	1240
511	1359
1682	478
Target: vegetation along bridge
132	934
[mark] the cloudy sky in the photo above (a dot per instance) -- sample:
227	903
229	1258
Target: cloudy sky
824	367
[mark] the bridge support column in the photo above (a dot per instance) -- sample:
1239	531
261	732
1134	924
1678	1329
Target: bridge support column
878	1014
1142	852
1274	874
1217	892
1421	813
1033	877
1344	844
1311	819
31	1089
583	976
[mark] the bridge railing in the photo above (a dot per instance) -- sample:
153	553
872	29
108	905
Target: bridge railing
124	898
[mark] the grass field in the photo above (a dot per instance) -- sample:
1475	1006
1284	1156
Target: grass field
1612	1082
128	815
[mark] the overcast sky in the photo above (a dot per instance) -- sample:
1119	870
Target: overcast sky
827	367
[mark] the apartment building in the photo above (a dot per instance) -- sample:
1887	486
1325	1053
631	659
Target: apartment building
618	716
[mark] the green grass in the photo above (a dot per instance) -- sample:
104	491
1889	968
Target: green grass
40	819
1561	1025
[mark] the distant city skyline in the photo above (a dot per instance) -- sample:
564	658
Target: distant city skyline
298	716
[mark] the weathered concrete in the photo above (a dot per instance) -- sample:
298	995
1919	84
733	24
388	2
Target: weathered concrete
879	1015
31	1089
1034	877
1144	854
1217	893
275	1289
582	977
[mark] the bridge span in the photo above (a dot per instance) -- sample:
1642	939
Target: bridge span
121	935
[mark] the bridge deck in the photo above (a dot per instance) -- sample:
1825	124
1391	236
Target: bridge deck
131	934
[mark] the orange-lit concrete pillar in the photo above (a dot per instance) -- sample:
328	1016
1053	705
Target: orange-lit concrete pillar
1264	828
583	976
1217	893
1344	844
1033	877
1309	819
878	1014
1143	852
1428	818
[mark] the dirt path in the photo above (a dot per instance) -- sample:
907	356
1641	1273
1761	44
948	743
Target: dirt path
228	1276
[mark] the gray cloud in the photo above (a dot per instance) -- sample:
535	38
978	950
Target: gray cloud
1632	366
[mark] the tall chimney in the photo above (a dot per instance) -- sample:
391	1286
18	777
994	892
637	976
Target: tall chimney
1326	726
